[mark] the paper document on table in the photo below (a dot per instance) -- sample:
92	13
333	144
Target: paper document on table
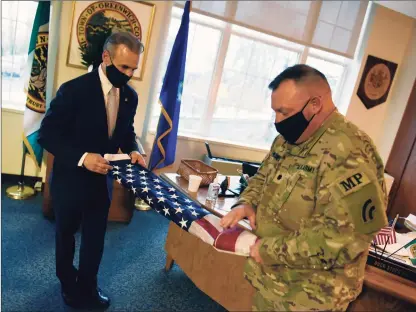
401	240
410	222
115	157
379	253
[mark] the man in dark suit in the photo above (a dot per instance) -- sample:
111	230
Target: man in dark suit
91	115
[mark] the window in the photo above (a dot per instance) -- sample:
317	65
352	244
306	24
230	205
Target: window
200	64
334	67
17	22
225	95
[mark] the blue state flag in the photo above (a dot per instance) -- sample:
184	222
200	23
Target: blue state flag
164	146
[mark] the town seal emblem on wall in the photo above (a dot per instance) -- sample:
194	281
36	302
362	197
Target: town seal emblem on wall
99	20
376	81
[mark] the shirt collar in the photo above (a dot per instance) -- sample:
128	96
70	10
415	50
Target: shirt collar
105	83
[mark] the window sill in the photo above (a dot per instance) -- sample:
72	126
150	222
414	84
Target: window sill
196	138
10	108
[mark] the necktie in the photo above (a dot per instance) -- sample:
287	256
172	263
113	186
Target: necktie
112	110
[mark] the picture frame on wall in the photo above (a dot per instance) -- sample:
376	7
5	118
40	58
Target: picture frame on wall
376	81
94	21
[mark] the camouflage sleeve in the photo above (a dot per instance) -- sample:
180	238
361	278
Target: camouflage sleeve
251	194
350	209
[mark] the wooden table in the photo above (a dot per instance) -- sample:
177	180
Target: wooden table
220	275
222	207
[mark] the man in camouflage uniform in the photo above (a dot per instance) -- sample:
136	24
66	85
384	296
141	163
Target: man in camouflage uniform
316	202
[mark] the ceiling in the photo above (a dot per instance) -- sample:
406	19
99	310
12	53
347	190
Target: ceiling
406	7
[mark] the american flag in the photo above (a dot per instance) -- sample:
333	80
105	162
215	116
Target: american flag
386	236
178	208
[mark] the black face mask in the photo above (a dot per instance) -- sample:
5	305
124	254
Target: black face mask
116	77
292	127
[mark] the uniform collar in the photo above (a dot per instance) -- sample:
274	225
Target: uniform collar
105	83
303	149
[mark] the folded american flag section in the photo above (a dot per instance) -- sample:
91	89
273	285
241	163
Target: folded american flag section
235	240
178	208
386	236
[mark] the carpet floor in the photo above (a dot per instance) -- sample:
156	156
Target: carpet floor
131	272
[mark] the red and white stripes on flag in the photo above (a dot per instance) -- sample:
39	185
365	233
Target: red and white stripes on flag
207	228
386	236
174	205
235	240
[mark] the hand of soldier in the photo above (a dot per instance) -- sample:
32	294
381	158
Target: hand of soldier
255	252
237	214
96	163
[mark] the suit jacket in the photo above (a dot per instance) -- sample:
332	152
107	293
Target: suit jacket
75	123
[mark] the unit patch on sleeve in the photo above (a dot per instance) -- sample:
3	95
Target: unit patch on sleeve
363	199
352	183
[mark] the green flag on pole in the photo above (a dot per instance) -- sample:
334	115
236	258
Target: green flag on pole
36	91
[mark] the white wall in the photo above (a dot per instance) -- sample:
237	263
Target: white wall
388	37
12	145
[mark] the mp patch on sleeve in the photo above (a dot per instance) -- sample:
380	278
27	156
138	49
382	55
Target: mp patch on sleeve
364	201
352	183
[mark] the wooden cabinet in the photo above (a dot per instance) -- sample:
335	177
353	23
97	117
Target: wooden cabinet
402	163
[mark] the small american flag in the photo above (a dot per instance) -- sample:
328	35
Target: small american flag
178	208
386	236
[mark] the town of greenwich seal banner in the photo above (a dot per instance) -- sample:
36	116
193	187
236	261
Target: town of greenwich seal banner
36	95
36	91
376	81
94	21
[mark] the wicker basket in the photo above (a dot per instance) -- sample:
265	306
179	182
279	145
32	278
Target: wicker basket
196	167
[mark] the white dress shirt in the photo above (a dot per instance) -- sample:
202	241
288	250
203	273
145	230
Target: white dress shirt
106	87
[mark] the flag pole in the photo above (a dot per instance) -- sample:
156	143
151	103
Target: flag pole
172	95
141	204
21	191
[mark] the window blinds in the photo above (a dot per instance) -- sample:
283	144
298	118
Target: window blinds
332	26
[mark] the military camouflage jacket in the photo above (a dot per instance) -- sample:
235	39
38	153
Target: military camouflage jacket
318	206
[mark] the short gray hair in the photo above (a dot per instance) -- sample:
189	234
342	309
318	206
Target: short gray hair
126	38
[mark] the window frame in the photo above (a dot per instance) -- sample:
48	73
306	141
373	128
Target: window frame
17	106
226	31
